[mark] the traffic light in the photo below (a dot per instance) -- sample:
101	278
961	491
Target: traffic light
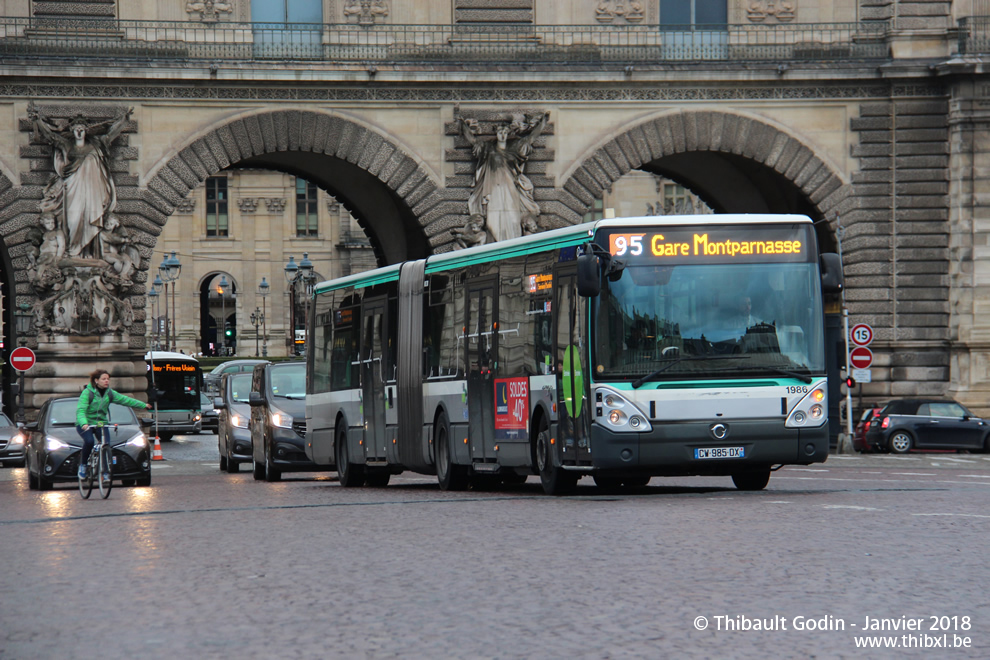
850	382
229	332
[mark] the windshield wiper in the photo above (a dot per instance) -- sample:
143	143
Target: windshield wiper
639	381
292	396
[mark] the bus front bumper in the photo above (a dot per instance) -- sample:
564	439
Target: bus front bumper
671	449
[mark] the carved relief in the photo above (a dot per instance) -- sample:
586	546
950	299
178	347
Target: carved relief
366	12
209	10
247	204
501	205
610	11
185	206
761	10
81	259
275	204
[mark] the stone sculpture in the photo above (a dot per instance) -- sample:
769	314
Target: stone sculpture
503	194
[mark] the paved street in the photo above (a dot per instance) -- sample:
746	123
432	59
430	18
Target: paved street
206	564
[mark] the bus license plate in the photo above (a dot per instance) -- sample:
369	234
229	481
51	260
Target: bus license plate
720	452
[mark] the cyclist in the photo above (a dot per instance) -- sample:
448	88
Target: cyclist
93	410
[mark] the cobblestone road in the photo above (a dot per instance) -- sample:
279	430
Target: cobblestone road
209	565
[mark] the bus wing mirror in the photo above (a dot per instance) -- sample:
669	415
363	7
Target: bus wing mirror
589	275
832	280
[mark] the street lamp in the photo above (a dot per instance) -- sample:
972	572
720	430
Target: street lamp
257	318
263	291
153	296
307	276
169	271
222	290
23	322
291	273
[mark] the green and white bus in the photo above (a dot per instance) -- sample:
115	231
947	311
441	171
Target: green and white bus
622	349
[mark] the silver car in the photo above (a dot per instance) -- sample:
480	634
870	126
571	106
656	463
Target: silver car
12	442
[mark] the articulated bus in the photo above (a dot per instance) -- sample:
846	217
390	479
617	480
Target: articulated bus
178	378
622	349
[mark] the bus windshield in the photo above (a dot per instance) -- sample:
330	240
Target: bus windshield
709	321
179	382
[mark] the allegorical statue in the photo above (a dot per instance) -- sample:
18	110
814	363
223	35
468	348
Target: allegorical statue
82	195
81	261
503	194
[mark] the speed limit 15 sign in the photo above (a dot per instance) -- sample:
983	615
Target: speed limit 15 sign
861	334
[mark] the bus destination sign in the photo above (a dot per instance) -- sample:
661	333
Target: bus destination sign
712	244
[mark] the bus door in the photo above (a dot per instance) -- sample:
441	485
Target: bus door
373	377
482	364
571	329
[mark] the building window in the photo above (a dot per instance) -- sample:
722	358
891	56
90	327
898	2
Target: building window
307	217
677	14
597	211
216	206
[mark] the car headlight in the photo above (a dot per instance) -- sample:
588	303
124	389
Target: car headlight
52	443
197	417
239	421
17	440
140	440
281	420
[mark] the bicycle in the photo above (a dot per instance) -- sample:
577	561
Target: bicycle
99	465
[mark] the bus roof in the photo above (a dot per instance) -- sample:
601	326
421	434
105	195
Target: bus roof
556	238
169	355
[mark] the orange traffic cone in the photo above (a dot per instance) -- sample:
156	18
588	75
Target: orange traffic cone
156	453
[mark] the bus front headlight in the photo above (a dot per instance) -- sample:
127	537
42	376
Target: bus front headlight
620	413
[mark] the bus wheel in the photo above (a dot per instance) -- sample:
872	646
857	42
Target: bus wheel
555	480
753	480
349	474
450	475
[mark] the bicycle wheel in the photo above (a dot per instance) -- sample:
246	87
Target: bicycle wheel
86	485
105	470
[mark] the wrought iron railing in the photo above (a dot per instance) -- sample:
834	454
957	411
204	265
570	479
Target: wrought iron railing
414	44
974	35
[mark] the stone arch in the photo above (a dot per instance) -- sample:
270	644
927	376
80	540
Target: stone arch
312	144
682	132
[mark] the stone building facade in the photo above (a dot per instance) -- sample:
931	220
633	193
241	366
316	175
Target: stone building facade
870	116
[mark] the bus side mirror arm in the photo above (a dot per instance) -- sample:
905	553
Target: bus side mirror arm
831	266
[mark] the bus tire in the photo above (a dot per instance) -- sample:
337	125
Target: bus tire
449	475
349	474
752	480
554	479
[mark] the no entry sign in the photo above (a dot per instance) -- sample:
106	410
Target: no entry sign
22	358
861	357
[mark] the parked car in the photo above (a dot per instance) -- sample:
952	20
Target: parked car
278	420
12	443
862	426
233	435
209	417
909	424
211	381
54	446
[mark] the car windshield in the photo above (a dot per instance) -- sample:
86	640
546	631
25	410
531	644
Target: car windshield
63	413
205	401
289	380
240	388
5	421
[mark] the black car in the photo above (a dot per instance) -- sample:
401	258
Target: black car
12	443
278	420
209	418
211	381
909	424
233	435
54	445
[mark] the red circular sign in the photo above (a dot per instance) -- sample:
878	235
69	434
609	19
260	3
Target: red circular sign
860	357
861	334
22	358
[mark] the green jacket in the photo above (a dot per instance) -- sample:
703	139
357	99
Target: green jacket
94	409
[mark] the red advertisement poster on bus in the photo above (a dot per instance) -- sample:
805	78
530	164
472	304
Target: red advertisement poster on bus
511	408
